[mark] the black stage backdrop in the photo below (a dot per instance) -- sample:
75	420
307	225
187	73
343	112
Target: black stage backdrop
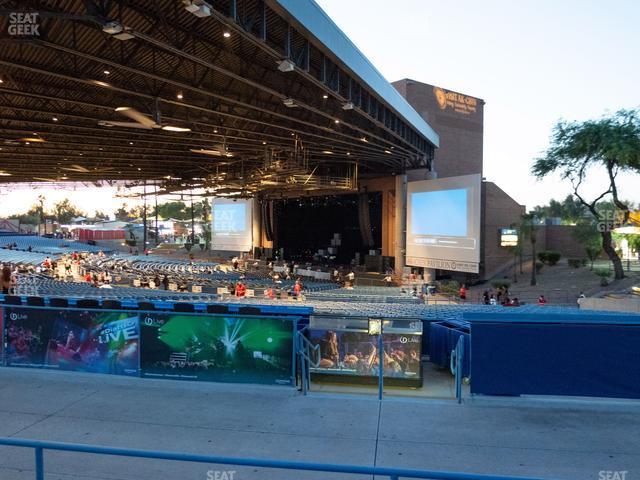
306	225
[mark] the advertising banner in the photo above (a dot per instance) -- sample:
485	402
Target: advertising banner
86	341
217	348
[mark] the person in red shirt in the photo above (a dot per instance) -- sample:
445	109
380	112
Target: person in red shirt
542	300
269	293
297	288
240	289
463	292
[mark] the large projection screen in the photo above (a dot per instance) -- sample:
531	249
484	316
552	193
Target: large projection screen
443	223
231	224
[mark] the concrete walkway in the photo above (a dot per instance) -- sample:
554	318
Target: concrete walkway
550	439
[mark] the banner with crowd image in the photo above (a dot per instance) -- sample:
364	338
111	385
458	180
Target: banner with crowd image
77	340
218	348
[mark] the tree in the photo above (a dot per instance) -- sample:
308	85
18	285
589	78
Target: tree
530	231
175	210
122	214
30	217
587	234
100	215
64	211
570	210
577	148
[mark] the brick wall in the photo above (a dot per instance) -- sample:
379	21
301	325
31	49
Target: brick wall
499	211
560	239
459	121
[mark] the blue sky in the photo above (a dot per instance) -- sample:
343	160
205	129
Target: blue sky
533	62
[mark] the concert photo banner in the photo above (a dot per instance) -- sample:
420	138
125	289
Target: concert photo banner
234	349
76	340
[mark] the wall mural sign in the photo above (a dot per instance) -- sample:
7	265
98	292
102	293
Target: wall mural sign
455	101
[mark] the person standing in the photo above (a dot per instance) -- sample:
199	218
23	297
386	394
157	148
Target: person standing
463	292
7	280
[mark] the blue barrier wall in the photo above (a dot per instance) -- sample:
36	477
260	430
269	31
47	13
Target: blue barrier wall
575	355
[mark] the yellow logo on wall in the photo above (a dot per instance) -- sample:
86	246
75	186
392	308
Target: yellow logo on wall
455	101
441	97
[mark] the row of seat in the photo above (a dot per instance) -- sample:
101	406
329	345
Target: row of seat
89	303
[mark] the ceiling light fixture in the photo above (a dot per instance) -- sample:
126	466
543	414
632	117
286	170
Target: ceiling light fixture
55	119
117	30
130	143
179	96
325	96
106	72
336	121
226	34
171	128
289	103
199	8
348	106
286	65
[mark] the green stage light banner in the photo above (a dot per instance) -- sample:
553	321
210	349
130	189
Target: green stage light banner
77	340
217	348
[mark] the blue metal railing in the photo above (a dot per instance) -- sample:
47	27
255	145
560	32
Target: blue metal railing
392	473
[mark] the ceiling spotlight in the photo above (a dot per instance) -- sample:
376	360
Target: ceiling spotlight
226	34
179	96
1	80
364	139
348	153
130	143
264	143
107	72
327	152
4	174
215	130
325	96
336	121
55	119
100	83
289	103
286	65
27	143
388	151
348	106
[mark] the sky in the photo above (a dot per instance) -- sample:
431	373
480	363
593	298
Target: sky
532	62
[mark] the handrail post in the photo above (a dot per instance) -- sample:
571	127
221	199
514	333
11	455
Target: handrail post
380	366
39	463
459	352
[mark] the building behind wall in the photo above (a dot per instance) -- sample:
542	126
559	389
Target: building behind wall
459	121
